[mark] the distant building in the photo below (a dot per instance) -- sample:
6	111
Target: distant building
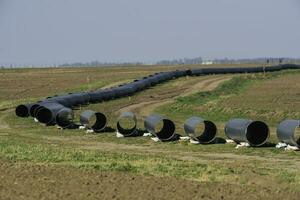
207	62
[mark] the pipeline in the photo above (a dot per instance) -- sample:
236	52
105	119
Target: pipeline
161	127
286	132
255	133
201	130
126	124
72	100
93	120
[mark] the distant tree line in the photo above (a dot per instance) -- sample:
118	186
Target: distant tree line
97	63
183	61
257	61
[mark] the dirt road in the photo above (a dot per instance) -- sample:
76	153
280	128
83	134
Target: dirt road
145	108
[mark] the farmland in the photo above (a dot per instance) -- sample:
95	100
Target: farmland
76	165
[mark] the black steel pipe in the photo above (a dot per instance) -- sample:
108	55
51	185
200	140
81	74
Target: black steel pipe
108	94
255	133
93	120
203	131
161	127
127	123
288	131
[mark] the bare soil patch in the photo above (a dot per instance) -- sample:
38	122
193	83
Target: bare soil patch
27	181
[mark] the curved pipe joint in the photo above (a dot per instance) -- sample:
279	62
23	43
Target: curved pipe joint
286	132
93	120
23	110
127	124
200	130
161	127
255	133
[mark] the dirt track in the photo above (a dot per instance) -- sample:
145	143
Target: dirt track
27	181
145	108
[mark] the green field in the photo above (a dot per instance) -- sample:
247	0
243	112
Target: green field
256	173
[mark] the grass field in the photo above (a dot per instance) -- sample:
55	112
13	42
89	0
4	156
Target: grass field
70	164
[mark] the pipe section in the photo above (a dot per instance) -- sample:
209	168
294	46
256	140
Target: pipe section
286	132
93	120
255	133
23	110
64	118
127	124
161	127
200	130
48	111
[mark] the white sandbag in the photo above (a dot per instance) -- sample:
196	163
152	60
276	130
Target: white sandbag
242	144
119	135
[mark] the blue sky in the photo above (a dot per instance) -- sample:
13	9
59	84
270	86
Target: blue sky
42	32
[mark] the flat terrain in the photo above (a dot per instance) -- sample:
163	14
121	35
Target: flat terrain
38	162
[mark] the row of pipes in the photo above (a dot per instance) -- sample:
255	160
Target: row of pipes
59	109
255	133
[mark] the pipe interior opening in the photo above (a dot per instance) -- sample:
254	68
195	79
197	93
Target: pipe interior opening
126	125
98	121
44	115
64	118
165	129
206	132
22	111
257	133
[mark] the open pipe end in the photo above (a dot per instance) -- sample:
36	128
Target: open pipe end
208	133
167	131
22	111
44	115
100	123
257	133
126	125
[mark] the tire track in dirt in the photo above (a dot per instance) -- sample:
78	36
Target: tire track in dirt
145	108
